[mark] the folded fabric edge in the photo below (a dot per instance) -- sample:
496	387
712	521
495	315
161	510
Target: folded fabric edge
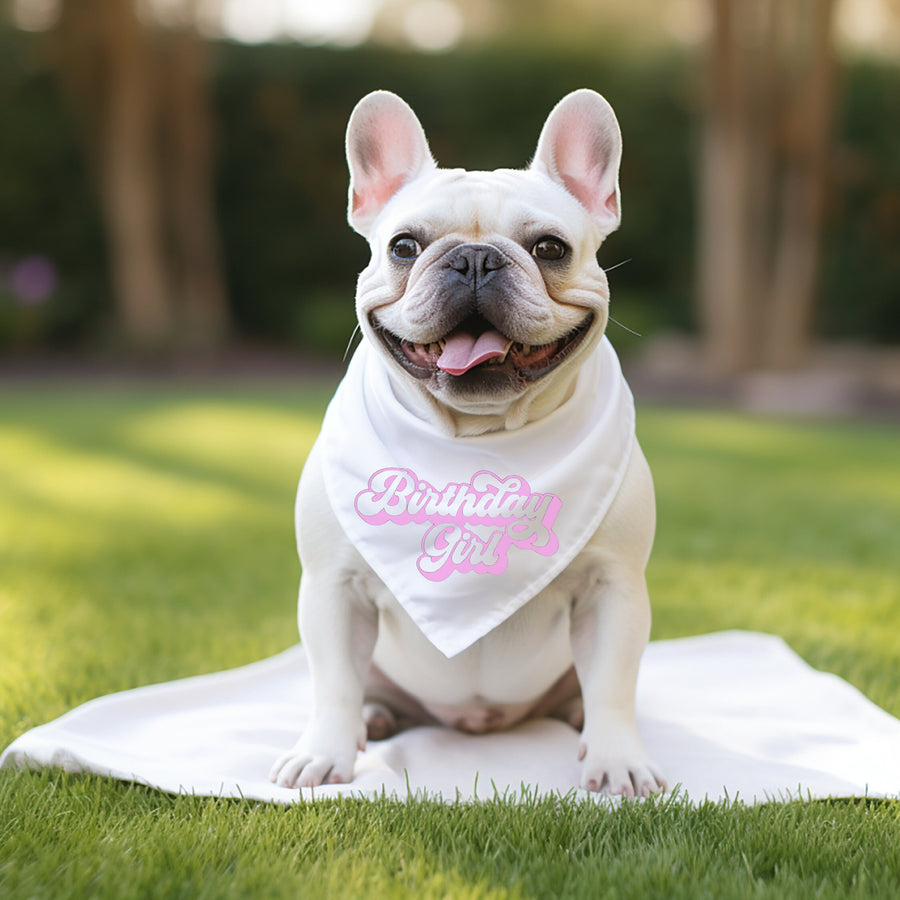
526	794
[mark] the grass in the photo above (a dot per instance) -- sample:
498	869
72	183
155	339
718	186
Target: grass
145	535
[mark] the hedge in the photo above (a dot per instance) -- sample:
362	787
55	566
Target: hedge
281	180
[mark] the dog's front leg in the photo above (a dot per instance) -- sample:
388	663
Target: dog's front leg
610	627
338	627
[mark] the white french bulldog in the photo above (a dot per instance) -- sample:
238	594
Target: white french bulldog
483	311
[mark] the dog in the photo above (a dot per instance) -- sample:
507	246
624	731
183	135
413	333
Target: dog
473	540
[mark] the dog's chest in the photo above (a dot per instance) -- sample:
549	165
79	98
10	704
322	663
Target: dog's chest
514	663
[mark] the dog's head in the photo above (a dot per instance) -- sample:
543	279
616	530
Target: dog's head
484	288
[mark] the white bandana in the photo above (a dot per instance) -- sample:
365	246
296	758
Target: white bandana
465	531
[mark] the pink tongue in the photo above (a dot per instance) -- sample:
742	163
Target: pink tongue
463	351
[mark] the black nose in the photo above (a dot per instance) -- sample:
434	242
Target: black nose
476	262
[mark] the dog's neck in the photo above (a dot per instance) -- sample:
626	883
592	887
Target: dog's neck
534	404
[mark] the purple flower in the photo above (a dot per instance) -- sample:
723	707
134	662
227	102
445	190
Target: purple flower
33	280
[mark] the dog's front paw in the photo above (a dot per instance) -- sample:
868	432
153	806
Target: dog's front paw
620	774
319	757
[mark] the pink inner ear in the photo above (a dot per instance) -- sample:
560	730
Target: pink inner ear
386	149
589	192
376	194
582	161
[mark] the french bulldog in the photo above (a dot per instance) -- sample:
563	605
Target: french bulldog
481	303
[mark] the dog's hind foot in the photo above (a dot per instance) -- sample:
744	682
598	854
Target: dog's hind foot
381	723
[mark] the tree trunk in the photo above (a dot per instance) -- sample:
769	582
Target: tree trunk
105	38
797	257
732	187
142	97
719	282
770	61
197	270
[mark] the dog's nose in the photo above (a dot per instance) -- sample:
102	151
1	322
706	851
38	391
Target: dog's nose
476	262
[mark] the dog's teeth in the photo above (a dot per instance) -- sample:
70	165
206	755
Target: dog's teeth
526	349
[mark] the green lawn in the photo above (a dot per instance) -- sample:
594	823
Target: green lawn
146	535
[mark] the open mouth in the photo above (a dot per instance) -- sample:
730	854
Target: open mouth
476	345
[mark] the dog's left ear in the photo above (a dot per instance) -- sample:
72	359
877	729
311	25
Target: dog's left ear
386	148
581	148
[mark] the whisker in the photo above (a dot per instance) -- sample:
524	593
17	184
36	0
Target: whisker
616	266
629	330
347	349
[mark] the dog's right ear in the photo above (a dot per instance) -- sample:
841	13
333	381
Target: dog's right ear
386	148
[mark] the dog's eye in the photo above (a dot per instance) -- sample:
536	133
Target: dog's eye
405	247
550	248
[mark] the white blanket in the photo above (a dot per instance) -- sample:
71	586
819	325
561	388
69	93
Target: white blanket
727	715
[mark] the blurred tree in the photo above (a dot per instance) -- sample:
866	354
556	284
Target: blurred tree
141	93
770	96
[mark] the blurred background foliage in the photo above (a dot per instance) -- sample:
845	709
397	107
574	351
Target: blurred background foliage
278	113
282	164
